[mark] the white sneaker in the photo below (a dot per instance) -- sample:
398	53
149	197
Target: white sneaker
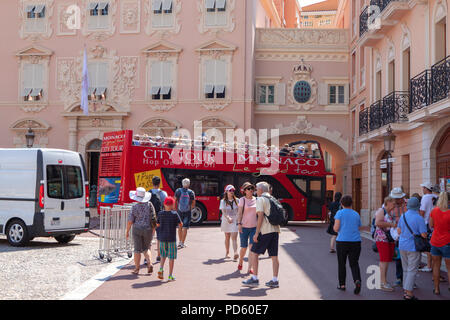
425	269
386	287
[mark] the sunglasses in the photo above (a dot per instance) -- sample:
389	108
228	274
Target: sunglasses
249	188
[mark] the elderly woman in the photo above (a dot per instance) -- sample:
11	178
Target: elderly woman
141	217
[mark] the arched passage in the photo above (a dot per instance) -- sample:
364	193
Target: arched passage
334	156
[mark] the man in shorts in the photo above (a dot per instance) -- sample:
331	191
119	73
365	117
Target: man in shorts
265	238
185	202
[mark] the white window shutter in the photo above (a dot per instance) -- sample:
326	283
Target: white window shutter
221	18
102	75
38	76
157	20
92	72
323	94
210	72
167	74
210	18
280	94
156	70
27	76
346	94
221	73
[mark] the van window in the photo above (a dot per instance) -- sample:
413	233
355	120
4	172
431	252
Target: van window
74	182
55	186
64	182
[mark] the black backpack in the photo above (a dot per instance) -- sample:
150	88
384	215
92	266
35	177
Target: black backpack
277	214
156	201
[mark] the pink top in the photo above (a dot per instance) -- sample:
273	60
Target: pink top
249	218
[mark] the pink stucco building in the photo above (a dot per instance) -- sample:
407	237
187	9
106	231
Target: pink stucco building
157	65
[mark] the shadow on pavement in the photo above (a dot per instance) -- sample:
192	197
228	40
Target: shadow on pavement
250	292
151	284
34	245
234	275
215	261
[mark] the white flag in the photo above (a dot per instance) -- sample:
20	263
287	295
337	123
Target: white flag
85	86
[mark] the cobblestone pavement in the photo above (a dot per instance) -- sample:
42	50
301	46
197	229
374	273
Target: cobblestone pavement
46	269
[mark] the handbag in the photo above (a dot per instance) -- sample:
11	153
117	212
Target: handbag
388	233
151	210
421	244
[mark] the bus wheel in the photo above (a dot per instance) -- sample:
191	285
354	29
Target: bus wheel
198	214
288	213
17	233
65	238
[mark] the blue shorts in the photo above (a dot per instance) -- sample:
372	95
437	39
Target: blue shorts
441	251
185	218
247	233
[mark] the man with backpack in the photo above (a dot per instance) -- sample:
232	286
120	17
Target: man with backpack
157	199
270	216
185	202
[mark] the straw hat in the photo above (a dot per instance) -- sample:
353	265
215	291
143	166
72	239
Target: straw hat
397	193
140	195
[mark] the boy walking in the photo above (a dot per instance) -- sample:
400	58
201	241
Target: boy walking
167	222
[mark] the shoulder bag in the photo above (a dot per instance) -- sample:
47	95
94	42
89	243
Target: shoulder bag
421	244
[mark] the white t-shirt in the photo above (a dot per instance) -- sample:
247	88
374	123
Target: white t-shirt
263	205
426	205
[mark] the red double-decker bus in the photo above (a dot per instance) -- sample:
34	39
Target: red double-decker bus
299	184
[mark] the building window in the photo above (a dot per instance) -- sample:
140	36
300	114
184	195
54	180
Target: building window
98	15
162	13
336	94
35	21
98	80
266	94
33	82
161	80
216	79
216	12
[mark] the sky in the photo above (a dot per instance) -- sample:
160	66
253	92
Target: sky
304	3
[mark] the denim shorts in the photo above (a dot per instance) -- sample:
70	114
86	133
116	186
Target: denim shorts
185	218
246	235
441	251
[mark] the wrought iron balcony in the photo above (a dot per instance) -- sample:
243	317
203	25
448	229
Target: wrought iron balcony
431	85
364	122
393	108
364	16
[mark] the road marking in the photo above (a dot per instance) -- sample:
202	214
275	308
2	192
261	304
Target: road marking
96	281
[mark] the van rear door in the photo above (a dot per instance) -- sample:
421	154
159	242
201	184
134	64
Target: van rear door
64	196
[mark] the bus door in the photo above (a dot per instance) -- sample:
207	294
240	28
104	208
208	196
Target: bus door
316	197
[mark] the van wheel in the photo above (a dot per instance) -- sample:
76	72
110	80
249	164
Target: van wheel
65	238
17	234
198	214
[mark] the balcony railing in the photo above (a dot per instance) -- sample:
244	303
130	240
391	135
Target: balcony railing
364	16
431	85
393	108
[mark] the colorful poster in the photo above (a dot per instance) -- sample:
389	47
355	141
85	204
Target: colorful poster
144	179
109	189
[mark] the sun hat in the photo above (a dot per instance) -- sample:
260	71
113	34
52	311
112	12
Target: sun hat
397	193
246	185
140	195
229	187
427	185
413	204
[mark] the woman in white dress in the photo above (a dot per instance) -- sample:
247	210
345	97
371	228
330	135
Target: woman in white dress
229	208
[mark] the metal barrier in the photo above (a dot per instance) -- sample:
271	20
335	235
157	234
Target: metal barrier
113	226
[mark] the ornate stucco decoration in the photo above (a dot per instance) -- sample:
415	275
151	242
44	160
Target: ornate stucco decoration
39	127
162	51
35	35
130	16
161	32
159	126
122	79
215	30
303	126
296	44
103	33
302	73
34	54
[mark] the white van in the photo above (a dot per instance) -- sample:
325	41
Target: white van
43	193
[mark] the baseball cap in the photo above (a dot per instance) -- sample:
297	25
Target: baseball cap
169	201
229	188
